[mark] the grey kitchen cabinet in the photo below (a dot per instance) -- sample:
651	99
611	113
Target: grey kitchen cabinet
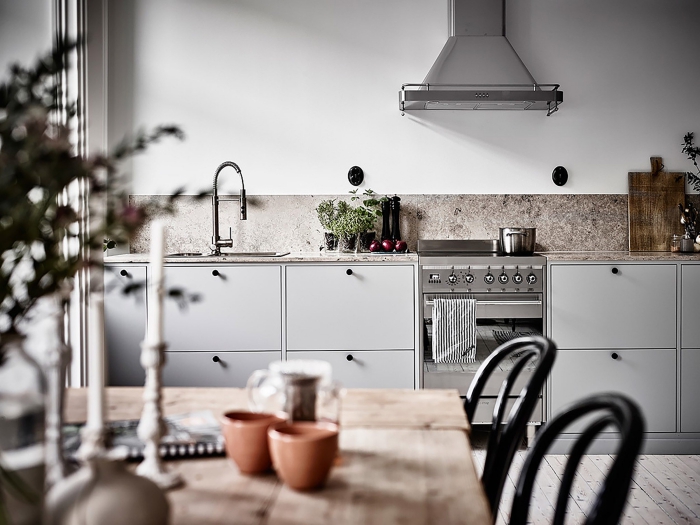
240	308
125	324
350	307
237	326
615	324
646	375
613	305
366	369
214	369
690	348
690	306
690	390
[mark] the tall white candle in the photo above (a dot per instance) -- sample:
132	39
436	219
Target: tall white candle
155	299
96	363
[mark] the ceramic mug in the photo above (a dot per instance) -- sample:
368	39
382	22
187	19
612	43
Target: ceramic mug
245	435
303	452
301	389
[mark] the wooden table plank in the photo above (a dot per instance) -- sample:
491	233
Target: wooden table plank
359	407
439	409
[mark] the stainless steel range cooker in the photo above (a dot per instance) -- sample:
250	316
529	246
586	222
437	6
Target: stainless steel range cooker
509	293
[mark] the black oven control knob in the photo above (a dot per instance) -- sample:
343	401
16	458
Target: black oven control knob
469	278
489	278
531	279
518	278
452	279
503	278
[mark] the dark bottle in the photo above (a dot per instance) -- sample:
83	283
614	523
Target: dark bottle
395	211
386	219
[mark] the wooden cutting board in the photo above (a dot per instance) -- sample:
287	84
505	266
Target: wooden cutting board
653	207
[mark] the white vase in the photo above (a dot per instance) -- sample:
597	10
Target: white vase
104	492
22	391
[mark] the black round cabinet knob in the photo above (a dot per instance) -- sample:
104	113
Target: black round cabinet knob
356	175
560	175
615	271
216	359
349	357
614	355
215	273
348	271
124	273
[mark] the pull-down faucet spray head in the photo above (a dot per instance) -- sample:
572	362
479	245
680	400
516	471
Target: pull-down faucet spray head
216	241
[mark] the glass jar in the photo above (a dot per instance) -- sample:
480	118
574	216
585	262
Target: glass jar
676	243
22	407
687	244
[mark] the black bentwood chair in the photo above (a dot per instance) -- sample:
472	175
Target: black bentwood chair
504	440
609	409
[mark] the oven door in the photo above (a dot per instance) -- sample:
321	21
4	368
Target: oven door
499	318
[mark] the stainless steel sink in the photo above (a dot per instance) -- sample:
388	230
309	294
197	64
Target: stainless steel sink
186	255
254	254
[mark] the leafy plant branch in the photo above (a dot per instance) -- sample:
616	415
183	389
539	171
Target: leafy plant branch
692	152
38	167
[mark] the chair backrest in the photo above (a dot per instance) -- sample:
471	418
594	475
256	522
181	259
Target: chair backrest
504	440
605	410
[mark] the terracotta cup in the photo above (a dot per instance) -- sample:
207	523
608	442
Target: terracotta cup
303	452
245	434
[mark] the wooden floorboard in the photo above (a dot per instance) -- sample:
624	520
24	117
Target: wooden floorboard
665	489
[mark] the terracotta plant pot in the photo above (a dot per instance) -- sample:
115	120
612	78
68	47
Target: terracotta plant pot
303	452
245	434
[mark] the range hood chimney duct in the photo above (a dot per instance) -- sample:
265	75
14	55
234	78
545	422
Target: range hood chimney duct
478	67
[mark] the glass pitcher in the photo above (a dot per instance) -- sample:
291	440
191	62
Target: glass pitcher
302	389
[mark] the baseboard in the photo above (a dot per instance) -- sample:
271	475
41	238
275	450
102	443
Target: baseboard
654	443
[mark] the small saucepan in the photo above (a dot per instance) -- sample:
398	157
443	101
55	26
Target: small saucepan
517	241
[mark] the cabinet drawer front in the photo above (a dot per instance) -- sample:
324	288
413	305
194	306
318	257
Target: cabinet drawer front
125	326
240	308
592	307
385	369
200	369
690	306
690	390
359	307
647	376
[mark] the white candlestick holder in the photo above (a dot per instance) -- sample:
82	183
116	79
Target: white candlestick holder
152	427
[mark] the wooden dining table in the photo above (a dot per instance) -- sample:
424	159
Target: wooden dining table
405	458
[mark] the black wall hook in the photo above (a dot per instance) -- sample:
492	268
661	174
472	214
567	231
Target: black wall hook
560	175
356	175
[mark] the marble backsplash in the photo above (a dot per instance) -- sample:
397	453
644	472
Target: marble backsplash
569	222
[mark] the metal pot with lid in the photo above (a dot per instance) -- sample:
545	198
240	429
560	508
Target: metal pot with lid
517	241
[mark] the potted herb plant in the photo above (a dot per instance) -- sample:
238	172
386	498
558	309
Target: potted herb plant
348	224
326	211
370	211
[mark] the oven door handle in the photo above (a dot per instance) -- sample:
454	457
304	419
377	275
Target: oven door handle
500	303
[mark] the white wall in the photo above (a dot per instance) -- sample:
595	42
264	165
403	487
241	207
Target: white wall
298	91
25	32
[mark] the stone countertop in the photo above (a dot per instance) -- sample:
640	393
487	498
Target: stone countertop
292	257
410	257
620	256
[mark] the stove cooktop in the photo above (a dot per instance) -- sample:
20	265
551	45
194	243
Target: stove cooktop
477	266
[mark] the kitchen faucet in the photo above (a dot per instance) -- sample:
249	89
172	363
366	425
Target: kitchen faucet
216	241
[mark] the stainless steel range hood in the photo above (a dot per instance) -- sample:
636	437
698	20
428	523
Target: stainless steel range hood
478	68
